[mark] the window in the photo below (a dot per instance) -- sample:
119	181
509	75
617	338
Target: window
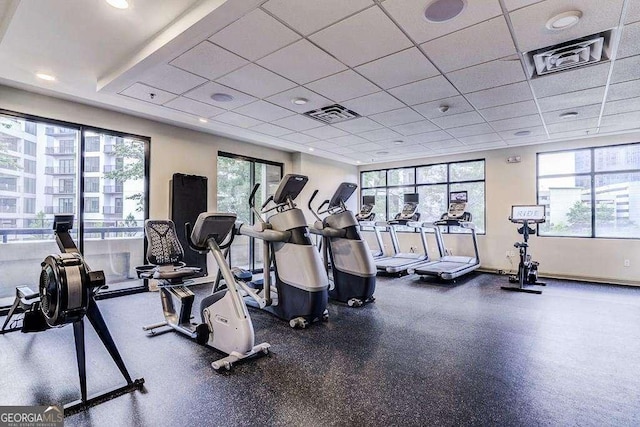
9	143
236	177
67	146
29	185
65	186
29	166
91	204
591	192
30	148
92	185
9	183
29	205
65	206
67	167
92	144
92	164
433	183
8	205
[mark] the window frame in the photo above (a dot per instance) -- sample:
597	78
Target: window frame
592	175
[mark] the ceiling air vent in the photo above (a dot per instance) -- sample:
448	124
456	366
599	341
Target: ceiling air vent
575	53
332	114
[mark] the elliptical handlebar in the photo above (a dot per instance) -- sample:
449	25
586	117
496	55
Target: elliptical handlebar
316	214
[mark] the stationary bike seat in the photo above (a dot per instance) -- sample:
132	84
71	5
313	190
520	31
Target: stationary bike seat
521	245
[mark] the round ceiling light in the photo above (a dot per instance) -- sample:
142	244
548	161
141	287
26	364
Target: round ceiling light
299	101
523	133
569	115
564	20
203	120
444	10
311	149
47	77
119	4
222	97
358	161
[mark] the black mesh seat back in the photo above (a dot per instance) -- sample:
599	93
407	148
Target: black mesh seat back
290	186
212	224
164	247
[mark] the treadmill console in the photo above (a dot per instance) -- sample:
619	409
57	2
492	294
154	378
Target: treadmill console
410	209
366	210
457	205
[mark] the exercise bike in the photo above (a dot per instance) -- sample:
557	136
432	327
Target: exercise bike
66	295
226	325
527	268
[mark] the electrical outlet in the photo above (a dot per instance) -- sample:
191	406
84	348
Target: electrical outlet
507	254
627	263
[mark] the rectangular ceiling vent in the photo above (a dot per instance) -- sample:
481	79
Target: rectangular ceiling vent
332	114
569	55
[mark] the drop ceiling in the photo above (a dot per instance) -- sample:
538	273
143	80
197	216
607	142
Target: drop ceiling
422	89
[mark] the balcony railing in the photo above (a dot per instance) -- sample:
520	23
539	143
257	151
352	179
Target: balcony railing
109	168
91	168
9	187
60	151
112	209
59	171
56	131
58	210
59	190
46	233
110	189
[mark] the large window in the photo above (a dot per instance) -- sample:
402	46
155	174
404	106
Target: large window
433	183
591	192
236	177
47	177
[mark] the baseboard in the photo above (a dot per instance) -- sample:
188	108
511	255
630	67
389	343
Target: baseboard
585	279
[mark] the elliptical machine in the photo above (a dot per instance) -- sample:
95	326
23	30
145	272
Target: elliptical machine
66	295
226	325
352	272
300	292
527	269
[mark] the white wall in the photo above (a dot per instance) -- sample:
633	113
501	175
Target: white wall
511	184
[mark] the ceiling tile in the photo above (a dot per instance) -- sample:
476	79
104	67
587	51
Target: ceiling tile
196	108
517	122
372	104
443	144
535	132
171	79
343	150
147	93
323	145
471	130
438	135
457	120
571	81
517	4
508	111
309	16
369	146
208	60
630	41
480	43
455	104
397	117
584	112
401	68
380	134
487	146
361	124
325	132
595	18
480	139
502	95
410	15
300	138
256	81
572	125
284	99
573	134
236	119
342	86
622	106
361	38
625	69
254	35
633	12
488	75
623	90
301	62
628	120
415	128
571	100
271	130
297	123
204	92
264	111
424	91
347	140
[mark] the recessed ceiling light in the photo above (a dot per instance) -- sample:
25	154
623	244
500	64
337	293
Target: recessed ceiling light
47	77
564	20
311	149
203	120
444	10
382	153
443	108
523	133
119	4
398	142
299	101
222	97
358	161
569	115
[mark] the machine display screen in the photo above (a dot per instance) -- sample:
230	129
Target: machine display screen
368	200
458	196
527	212
411	198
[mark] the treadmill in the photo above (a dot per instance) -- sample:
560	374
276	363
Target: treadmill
449	267
401	261
366	218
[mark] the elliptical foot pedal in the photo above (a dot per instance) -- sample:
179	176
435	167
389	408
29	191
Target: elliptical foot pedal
256	284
